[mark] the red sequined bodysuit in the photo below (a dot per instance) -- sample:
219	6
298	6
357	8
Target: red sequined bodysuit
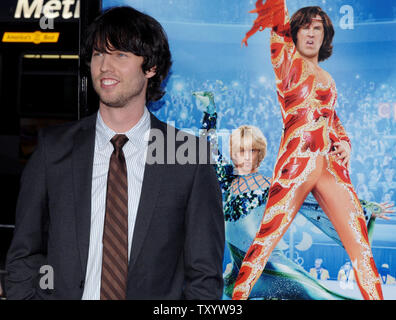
311	127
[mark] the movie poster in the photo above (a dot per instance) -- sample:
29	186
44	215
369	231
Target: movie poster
205	40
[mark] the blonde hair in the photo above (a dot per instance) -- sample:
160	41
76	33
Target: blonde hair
254	135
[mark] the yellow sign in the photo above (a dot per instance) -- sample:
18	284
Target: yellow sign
36	37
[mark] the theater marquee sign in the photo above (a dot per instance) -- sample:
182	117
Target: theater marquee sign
37	9
38	20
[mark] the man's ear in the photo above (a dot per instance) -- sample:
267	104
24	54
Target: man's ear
151	73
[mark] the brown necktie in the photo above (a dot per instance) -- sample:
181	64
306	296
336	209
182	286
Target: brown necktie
115	232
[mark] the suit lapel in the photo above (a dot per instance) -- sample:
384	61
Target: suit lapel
82	157
150	189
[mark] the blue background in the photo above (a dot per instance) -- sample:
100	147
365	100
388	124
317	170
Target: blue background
205	39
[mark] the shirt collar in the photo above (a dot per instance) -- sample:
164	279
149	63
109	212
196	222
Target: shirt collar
136	134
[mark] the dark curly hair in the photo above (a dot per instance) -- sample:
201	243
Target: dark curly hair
303	17
126	29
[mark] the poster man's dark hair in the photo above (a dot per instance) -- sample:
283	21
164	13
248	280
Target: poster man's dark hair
303	17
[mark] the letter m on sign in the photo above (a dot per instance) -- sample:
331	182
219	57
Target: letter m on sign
26	9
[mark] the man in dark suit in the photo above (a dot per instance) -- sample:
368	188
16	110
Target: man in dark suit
102	219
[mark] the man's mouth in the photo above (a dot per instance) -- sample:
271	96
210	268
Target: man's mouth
108	82
310	43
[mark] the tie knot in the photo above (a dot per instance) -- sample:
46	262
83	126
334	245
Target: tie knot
119	141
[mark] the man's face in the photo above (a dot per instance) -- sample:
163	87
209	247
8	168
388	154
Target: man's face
310	38
118	77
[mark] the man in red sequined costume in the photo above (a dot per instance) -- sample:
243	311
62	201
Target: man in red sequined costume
312	154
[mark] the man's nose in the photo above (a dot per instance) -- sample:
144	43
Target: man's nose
311	31
106	63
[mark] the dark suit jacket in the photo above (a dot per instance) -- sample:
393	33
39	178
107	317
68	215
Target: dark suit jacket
178	239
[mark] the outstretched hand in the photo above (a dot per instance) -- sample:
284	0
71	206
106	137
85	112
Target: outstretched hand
386	208
206	99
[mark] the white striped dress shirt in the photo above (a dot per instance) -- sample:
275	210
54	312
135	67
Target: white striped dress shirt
135	151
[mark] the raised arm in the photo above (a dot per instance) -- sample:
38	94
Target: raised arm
224	170
273	14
